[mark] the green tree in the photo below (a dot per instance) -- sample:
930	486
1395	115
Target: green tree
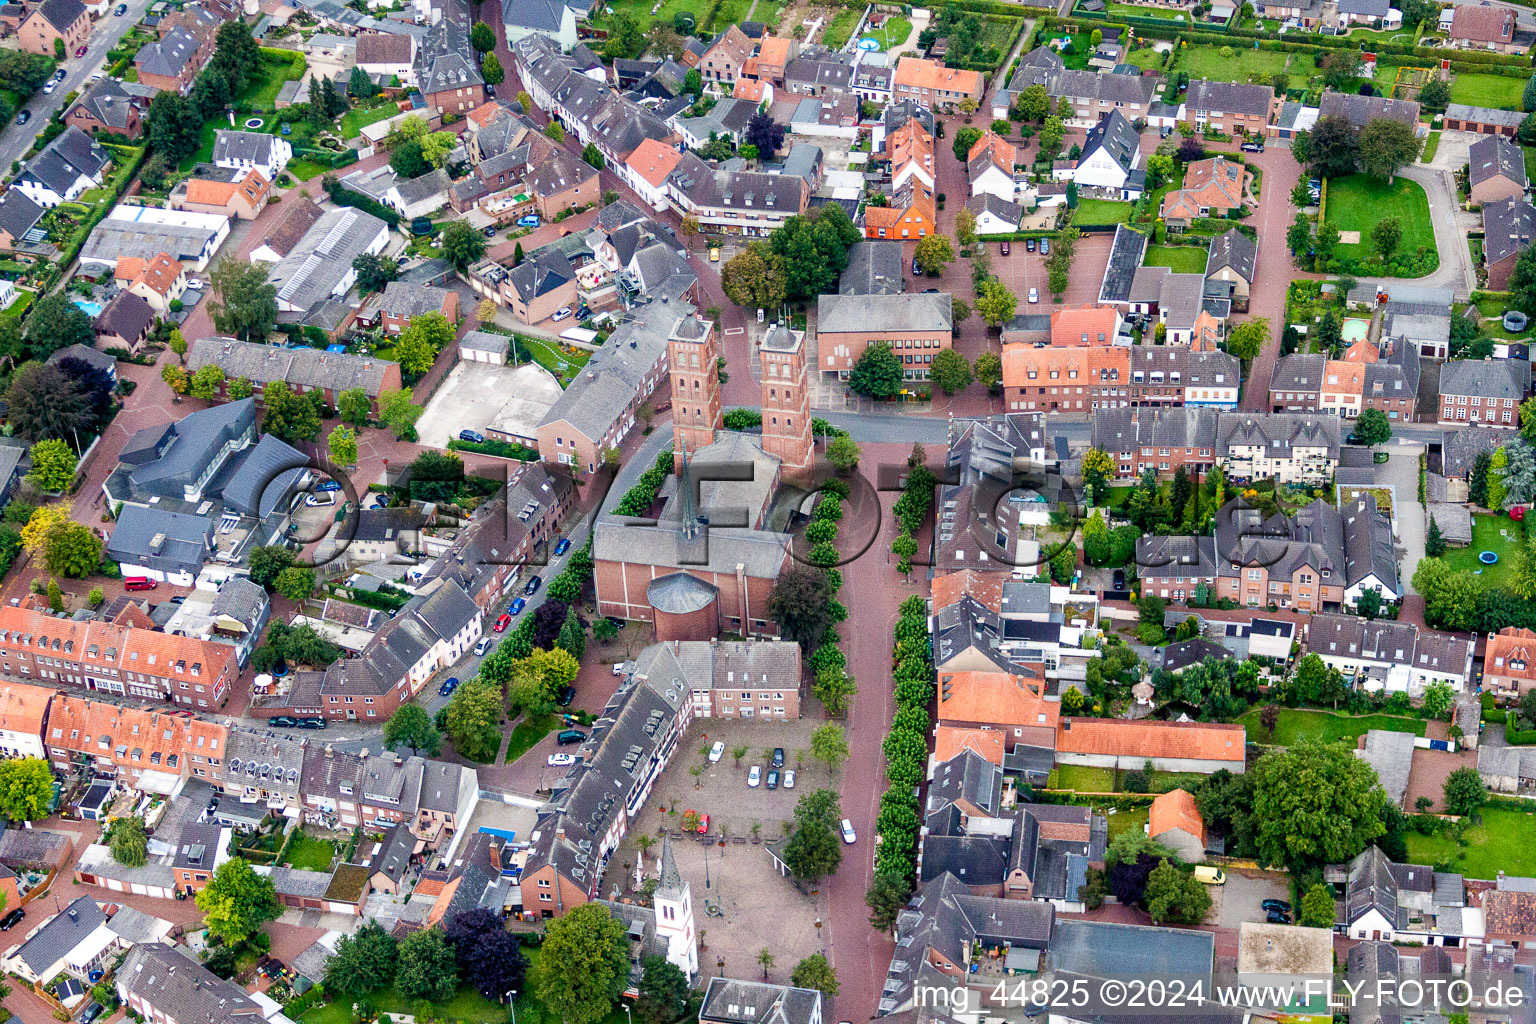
843	452
663	991
1373	428
53	466
995	304
886	898
1248	338
244	303
354	407
177	344
816	972
583	964
360	85
829	745
950	371
989	371
289	416
876	373
399	413
365	962
482	37
56	322
1175	897
1098	469
1387	236
834	687
205	383
932	253
755	277
172	126
965	138
267	562
412	726
428	968
554	131
1464	791
1332	146
128	841
474	719
295	583
72	551
1528	98
1051	134
1435	96
814	849
238	389
1033	104
1096	539
418	345
594	156
237	901
1387	145
1434	540
374	271
1437	699
573	635
462	244
1450	597
26	788
1496	485
1315	803
1317	907
1341	68
1160	168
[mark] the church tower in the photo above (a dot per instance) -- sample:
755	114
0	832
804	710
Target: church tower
674	915
693	351
786	400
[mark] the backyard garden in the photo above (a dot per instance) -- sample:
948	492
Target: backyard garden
1503	841
1297	724
1357	203
1181	259
1499	534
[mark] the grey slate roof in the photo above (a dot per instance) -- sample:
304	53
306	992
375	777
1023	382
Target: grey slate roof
248	147
323	257
409	300
1104	949
1368	543
108	102
423	187
1490	378
1508	227
1232	249
730	1001
540	15
127	316
1229	97
1115	135
61	13
1277	432
1298	372
1125	257
165	459
265	477
18	214
1119	430
168	56
874	268
184	541
1002	209
1361	110
1131	90
1185	653
54	940
1369	885
547	271
1484	115
884	312
66	158
1495	156
445	60
309	367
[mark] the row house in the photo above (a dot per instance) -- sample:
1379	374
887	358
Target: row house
1484	391
934	85
302	369
818	73
736	202
1363	379
1233	108
381	789
1509	661
1162	440
1287	448
909	149
186	44
1382	654
1065	379
126	660
910	213
1172	375
128	742
724	59
23	720
1093	95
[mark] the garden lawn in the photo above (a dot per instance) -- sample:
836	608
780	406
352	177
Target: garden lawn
1101	211
468	1006
1146	58
24	299
1359	202
893	33
303	169
1505	841
1297	724
355	120
1139	11
1487	91
1431	146
1207	62
841	27
564	365
1530	161
1084	779
1181	259
271	74
641	10
528	732
309	853
1125	821
1488	535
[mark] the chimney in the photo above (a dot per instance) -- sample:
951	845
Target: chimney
495	850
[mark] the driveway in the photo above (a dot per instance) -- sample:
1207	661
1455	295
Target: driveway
1241	898
1274	270
1401	471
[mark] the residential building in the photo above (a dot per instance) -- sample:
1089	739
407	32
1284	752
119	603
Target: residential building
159	280
1212	188
723	59
1379	654
916	325
165	987
818	73
66	167
1169	375
1085	325
1428	333
388	55
52	22
1361	110
995	216
649	167
909	149
233	193
171	63
910	212
1496	165
553	19
74	941
1110	161
23	719
145	232
1163	440
247	151
729	1001
1230	267
989	167
302	369
1038	67
773	57
1285	447
447	69
934	85
1232	108
1171	746
402	301
1179	303
1509	664
19	220
1125	255
106	106
1065	379
1364	379
1482	26
1508	227
1094	96
319	266
235	614
736	202
1484	391
298	216
96	360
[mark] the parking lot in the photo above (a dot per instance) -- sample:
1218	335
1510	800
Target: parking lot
490	399
1022	270
1242	897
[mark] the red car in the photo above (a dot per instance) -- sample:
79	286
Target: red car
503	622
80	51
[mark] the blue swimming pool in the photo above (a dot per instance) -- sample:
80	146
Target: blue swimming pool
92	309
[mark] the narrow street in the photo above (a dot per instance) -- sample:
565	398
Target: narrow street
1274	271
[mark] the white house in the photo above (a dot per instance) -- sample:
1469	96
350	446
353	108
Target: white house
1110	160
549	18
23	713
388	54
994	216
67	167
417	197
75	941
243	151
1386	655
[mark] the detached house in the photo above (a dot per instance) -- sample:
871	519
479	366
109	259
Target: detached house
107	107
172	63
1509	666
1508	227
1496	167
1212	188
52	21
1483	26
989	166
1110	160
65	168
245	151
1484	391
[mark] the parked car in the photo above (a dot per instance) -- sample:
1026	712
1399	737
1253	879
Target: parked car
484	646
1252	147
564	546
703	824
789	779
80	50
328	485
755	776
560	760
120	10
1004	247
490	231
1119	579
569	736
566	695
778	757
317	500
1045	247
24	117
716	752
1029	245
561	314
94	1010
517	605
449	685
917	271
283	721
848	834
773	778
312	723
51	86
58	76
1275	917
532	586
1280	905
472	435
714	255
9	921
503	622
1034	295
530	221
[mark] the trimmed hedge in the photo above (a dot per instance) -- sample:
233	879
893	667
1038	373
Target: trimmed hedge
492	446
1517	737
343	196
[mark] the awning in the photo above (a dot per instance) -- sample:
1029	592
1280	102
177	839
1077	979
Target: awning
290	811
158	782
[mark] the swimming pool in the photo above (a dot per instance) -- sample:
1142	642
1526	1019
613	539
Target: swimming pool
1355	329
92	309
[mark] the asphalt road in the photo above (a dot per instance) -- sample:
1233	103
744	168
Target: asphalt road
17	139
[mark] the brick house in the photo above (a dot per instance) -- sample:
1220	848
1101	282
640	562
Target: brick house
232	193
1065	379
1229	107
1212	188
52	22
1508	227
1484	27
158	281
911	212
302	369
401	301
107	107
725	57
1509	666
1484	391
172	63
934	85
1496	168
1162	440
917	326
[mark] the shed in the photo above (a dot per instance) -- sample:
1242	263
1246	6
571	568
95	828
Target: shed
1454	520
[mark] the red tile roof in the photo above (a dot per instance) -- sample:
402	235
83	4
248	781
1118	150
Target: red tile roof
1196	741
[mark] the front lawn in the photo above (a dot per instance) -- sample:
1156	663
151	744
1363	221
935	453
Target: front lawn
1488	91
892	34
527	733
1181	259
1499	534
1297	724
1359	201
1505	841
1431	147
640	10
303	169
309	853
564	365
1101	211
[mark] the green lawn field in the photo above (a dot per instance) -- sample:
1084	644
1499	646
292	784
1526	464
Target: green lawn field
1207	62
1181	259
1101	211
841	27
1084	779
308	853
1488	534
1506	841
1142	11
355	120
1487	91
272	73
1358	202
1297	724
